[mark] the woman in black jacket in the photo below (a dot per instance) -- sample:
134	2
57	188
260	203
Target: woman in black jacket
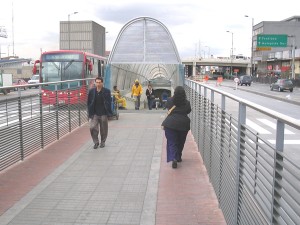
177	125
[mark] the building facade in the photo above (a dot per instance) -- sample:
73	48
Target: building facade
278	61
85	36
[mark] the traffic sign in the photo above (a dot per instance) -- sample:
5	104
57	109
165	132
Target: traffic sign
263	49
271	40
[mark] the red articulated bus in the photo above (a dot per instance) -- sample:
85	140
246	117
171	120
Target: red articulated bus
68	65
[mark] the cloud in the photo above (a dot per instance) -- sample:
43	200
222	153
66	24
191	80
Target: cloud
192	24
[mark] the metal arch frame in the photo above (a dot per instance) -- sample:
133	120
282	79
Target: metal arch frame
144	63
128	24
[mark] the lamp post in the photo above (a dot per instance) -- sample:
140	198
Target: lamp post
293	56
231	51
69	25
252	61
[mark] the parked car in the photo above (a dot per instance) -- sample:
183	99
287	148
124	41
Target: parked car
17	82
282	84
245	79
35	79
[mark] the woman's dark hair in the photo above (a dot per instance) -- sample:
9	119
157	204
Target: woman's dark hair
179	97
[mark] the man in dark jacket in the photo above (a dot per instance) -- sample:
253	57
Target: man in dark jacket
99	108
150	96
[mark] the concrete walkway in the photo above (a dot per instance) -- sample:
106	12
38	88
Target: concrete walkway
127	182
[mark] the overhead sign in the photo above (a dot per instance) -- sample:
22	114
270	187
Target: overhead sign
271	40
263	49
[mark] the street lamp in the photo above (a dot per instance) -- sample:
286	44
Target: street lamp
231	51
252	62
69	25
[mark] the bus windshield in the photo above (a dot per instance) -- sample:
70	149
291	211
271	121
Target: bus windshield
60	67
60	71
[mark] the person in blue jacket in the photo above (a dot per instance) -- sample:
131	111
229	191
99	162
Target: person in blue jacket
99	109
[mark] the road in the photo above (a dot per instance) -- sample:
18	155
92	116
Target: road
285	103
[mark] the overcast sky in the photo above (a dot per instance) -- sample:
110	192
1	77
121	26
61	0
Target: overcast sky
192	23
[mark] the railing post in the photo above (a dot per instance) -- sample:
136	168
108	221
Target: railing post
69	108
198	107
241	123
79	104
56	112
212	125
223	124
41	117
256	162
277	170
20	124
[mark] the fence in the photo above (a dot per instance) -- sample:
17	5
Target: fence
255	181
27	124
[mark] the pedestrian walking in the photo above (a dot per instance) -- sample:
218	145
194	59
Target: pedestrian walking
99	108
164	99
136	92
176	125
150	93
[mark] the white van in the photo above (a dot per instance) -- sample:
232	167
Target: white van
35	79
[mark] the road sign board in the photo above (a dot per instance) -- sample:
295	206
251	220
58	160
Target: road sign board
263	49
271	40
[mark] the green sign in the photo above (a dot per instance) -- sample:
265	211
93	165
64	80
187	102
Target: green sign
271	40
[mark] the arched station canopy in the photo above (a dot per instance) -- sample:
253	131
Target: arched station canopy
144	50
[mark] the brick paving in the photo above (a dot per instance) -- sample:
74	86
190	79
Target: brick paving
127	182
185	195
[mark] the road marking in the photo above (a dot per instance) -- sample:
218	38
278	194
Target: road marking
287	142
272	141
273	125
14	121
256	127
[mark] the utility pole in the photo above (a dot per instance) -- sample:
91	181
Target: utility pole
293	58
293	55
252	55
231	57
12	24
69	31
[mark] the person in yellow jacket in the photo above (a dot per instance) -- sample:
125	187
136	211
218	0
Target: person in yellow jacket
136	92
119	98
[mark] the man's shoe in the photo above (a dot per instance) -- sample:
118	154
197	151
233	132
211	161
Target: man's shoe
102	144
96	145
179	160
174	164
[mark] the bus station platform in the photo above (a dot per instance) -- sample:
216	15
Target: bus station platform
127	182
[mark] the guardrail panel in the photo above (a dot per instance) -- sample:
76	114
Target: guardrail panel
269	182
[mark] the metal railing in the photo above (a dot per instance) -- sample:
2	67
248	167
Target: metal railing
29	122
255	181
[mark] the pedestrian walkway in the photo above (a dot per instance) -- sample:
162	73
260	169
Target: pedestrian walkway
127	182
